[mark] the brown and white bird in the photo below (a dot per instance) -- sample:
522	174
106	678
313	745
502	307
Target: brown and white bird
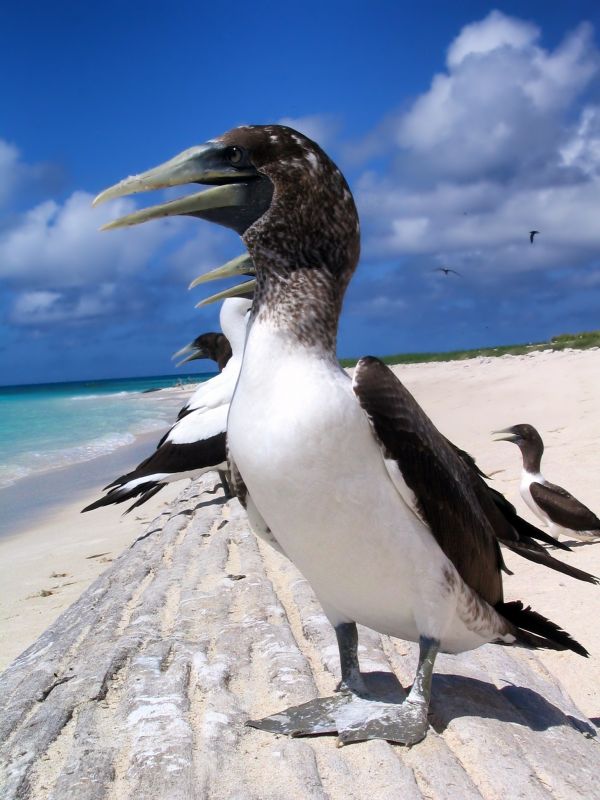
197	442
391	524
558	509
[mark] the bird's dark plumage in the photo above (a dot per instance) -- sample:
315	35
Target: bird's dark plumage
313	484
532	234
214	346
555	505
168	459
447	271
563	508
466	516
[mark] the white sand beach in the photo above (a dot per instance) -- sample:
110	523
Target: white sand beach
46	568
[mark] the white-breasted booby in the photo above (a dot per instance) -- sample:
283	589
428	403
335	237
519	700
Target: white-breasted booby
197	442
218	391
392	525
558	509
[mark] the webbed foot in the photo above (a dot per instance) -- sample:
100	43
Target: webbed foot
354	719
308	719
405	723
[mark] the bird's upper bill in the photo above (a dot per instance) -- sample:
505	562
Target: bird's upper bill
520	434
190	352
311	220
240	193
242	265
508	435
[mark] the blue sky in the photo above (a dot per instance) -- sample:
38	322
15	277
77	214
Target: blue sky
460	127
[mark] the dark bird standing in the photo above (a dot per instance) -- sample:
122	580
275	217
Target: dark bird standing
557	508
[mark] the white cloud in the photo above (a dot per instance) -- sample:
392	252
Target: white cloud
43	308
16	176
10	168
202	252
443	221
582	149
495	31
56	246
30	303
321	128
489	153
500	104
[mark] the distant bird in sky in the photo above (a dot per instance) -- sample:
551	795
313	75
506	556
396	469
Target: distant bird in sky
531	235
447	271
556	507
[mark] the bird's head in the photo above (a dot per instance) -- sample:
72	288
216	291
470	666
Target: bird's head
523	435
207	345
273	186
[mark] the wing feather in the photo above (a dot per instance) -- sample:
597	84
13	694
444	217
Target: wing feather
563	508
440	481
445	487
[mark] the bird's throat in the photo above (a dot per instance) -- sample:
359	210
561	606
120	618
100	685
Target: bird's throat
303	305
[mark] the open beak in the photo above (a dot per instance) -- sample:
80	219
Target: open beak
239	194
511	437
242	289
241	265
191	353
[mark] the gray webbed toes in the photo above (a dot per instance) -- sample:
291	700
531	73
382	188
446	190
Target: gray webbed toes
354	719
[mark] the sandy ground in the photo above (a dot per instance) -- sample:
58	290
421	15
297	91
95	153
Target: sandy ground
47	567
55	552
558	393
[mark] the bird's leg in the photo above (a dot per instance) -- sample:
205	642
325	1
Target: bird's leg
223	475
420	693
356	718
347	639
405	723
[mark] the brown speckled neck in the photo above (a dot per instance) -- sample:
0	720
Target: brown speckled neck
306	246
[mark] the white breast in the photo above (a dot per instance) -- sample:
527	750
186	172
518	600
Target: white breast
527	478
316	474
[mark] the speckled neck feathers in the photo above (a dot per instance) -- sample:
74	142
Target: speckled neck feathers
306	246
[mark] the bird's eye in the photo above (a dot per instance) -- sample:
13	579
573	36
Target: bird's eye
234	156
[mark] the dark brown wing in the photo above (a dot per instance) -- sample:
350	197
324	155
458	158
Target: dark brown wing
442	482
563	508
467	517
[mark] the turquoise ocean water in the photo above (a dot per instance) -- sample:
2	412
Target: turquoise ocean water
45	427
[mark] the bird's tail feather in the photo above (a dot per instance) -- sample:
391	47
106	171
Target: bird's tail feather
146	496
534	552
121	493
534	630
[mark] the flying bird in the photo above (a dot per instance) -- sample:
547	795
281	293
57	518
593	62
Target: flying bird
531	235
392	525
557	508
196	443
447	271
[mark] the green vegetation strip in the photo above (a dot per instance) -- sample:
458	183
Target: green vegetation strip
575	341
